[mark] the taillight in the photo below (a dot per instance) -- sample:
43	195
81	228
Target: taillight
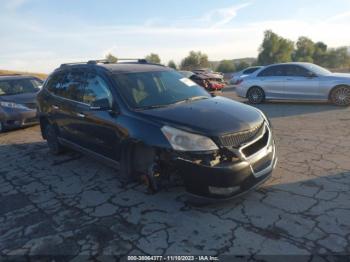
239	81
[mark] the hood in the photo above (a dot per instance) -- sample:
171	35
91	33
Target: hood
211	117
25	99
341	75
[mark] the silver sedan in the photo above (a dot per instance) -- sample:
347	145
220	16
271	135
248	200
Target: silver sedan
295	81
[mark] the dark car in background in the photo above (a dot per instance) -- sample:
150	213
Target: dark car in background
209	81
18	101
152	122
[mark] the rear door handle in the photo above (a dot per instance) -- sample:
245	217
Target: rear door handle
80	115
55	107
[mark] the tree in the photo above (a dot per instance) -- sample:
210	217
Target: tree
242	65
153	58
305	50
172	64
194	60
275	49
338	58
320	54
111	58
226	66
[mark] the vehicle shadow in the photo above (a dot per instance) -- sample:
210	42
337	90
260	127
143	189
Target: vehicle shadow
286	108
275	109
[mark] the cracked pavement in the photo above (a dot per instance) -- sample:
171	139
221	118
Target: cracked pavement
74	205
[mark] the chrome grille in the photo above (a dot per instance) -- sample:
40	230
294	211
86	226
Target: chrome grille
239	138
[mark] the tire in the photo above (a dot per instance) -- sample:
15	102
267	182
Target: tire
2	128
340	96
52	140
256	95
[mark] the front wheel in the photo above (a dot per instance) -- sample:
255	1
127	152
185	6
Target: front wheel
340	96
256	95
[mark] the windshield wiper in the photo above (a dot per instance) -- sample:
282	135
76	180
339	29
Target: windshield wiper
150	107
190	99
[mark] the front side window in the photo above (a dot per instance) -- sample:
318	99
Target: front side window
155	89
18	86
295	70
96	89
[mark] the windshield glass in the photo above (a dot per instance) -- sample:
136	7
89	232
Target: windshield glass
19	86
156	89
317	69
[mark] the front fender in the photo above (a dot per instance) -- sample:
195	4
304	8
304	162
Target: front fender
140	130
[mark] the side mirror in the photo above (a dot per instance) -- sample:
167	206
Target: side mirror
100	104
311	74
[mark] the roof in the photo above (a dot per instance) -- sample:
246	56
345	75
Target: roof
122	68
291	63
141	65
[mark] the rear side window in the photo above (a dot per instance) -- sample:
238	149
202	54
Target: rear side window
54	82
68	85
250	70
272	71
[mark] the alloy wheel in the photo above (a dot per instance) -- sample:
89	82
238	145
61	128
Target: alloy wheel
256	95
341	96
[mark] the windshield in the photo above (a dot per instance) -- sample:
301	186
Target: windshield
317	69
19	86
156	89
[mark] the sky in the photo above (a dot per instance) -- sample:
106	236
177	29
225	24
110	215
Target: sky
39	35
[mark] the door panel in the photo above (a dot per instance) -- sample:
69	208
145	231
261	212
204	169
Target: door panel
273	86
299	84
98	126
302	87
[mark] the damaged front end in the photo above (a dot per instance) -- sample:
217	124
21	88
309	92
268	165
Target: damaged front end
231	169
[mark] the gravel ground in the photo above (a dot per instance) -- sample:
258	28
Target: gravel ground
73	205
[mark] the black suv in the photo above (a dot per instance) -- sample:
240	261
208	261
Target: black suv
150	121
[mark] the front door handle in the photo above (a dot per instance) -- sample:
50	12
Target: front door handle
55	107
80	115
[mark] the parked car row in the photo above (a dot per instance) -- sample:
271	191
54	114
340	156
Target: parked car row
151	121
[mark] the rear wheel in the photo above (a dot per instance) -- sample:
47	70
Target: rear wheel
341	96
256	95
52	140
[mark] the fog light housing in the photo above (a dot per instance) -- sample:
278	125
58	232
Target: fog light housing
223	190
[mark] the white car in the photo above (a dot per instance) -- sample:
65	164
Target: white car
295	81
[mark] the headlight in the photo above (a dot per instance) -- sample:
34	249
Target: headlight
12	105
184	141
264	116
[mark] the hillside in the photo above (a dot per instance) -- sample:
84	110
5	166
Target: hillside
10	72
249	60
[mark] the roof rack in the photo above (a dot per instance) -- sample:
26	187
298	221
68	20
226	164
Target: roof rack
105	61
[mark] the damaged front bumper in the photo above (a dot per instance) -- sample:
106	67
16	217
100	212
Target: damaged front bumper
224	180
